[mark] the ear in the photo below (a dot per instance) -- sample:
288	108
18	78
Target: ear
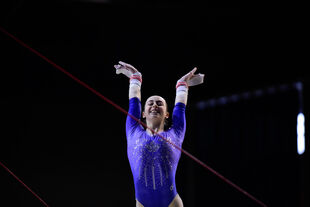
167	115
143	114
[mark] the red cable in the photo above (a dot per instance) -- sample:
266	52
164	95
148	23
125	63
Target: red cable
143	124
22	181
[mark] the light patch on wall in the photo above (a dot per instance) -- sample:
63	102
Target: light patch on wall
300	133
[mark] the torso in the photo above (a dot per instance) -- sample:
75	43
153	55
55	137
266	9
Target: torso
153	161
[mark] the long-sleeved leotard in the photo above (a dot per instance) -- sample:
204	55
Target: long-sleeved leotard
153	161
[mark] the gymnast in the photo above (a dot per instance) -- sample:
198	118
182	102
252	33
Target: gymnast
154	161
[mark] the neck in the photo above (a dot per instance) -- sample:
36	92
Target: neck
156	127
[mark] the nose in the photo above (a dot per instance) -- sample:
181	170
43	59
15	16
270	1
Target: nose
154	106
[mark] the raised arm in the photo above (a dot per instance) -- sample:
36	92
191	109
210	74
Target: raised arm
135	78
190	79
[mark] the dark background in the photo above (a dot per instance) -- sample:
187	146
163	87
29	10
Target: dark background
69	146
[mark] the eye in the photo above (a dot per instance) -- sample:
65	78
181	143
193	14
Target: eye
159	103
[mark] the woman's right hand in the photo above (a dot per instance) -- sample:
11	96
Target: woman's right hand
126	69
135	78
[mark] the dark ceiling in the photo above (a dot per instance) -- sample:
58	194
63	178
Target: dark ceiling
239	45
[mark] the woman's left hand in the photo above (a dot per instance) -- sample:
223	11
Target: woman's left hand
188	76
192	79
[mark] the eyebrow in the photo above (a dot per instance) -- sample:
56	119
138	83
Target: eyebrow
156	101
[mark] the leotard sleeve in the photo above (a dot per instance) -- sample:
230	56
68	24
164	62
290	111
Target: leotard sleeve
179	121
134	110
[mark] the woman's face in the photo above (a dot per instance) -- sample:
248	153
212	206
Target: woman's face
155	109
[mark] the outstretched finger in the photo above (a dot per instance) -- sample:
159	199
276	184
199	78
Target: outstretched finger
194	70
126	64
190	74
123	63
117	66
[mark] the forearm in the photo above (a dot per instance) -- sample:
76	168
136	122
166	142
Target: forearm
181	97
181	93
135	86
134	91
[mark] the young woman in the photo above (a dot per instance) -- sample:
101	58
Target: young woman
153	161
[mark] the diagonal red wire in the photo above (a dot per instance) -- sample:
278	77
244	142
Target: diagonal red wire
7	169
143	124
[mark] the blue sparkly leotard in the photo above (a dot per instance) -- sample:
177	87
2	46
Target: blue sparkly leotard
153	161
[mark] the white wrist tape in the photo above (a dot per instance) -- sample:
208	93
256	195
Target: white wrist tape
136	79
182	88
134	82
181	94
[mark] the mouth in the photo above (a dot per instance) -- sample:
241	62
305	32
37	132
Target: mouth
154	112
